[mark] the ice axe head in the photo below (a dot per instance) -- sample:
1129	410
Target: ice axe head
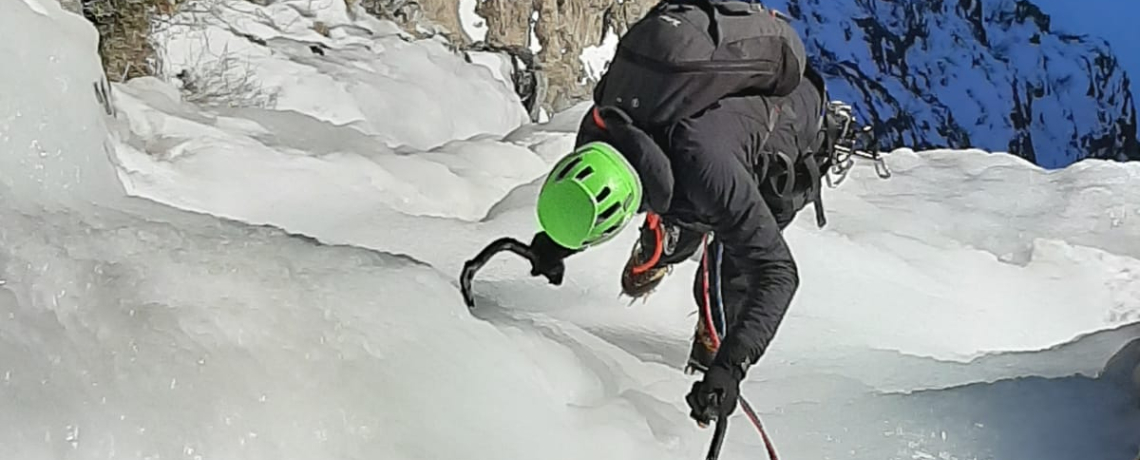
471	267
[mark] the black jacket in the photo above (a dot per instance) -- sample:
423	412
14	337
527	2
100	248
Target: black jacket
703	174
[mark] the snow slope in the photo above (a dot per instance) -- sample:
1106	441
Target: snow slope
135	329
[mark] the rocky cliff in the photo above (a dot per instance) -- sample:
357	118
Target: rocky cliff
563	30
556	31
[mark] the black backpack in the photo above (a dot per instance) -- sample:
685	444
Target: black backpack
684	55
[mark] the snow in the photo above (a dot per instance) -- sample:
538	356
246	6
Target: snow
533	42
596	58
185	280
351	82
498	63
473	25
35	6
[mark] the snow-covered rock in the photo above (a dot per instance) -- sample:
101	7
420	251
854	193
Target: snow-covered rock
987	74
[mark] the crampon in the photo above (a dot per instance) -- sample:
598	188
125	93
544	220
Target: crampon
847	146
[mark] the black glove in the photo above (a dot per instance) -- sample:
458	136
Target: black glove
715	396
548	255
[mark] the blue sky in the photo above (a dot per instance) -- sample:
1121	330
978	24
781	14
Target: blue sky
1117	21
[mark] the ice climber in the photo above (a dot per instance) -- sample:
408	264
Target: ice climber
710	121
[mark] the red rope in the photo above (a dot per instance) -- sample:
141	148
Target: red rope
759	427
654	222
708	303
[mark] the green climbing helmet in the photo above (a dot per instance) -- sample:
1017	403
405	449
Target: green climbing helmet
589	196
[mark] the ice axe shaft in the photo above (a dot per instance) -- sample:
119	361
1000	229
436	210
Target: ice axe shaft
718	438
722	427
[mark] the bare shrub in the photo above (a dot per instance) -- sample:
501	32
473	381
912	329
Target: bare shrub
227	81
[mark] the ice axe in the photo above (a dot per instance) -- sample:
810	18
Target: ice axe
471	267
722	427
718	438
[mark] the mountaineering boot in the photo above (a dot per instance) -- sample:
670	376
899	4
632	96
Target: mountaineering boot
647	265
702	351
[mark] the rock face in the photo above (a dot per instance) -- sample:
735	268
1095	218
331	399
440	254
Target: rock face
988	74
508	21
557	31
446	14
563	29
422	18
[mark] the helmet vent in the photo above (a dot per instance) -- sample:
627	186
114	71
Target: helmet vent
605	193
609	212
569	167
582	175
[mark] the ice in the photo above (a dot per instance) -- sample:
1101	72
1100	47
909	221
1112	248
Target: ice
182	280
50	169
